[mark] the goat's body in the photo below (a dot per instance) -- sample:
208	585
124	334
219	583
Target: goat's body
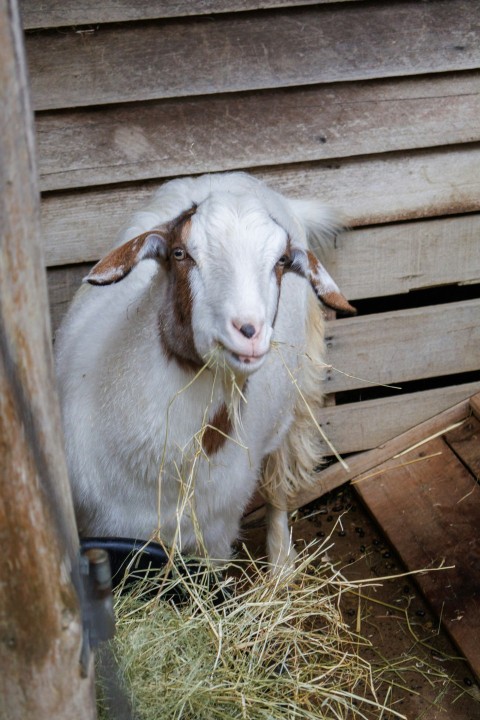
138	466
137	417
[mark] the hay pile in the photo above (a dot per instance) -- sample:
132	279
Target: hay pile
270	648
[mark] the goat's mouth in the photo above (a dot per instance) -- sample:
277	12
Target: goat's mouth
244	363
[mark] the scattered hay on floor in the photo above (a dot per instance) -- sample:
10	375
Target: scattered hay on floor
255	647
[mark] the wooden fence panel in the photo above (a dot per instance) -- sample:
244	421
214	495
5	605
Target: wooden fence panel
177	58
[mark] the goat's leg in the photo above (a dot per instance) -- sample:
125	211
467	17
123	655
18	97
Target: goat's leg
280	551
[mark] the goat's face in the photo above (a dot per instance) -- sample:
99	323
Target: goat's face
224	263
239	256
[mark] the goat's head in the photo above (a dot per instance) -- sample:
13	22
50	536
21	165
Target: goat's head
223	264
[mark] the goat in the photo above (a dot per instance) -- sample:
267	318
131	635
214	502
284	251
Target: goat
184	362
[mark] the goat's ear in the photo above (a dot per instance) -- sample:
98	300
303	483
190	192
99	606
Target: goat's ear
305	263
120	261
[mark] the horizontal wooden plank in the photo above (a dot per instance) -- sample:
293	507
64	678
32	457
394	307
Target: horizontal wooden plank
389	187
394	259
248	51
395	347
80	226
365	462
60	13
214	133
364	425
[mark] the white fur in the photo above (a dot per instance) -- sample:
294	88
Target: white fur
133	419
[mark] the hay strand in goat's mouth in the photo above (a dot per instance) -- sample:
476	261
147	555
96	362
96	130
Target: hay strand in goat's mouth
274	647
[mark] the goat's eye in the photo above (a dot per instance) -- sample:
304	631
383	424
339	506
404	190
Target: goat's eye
179	253
281	262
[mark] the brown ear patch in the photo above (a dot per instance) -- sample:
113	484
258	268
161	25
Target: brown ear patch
336	301
120	261
325	287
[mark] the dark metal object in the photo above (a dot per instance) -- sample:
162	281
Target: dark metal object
137	557
99	626
96	601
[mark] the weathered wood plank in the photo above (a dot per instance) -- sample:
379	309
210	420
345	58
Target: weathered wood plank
430	512
208	134
80	226
394	259
279	48
465	442
40	617
366	462
475	406
390	187
62	286
60	13
364	425
395	347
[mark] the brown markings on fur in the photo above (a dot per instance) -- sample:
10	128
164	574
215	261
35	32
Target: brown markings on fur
217	432
175	318
336	301
118	263
280	271
331	298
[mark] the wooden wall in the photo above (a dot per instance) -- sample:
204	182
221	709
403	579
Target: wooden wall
372	106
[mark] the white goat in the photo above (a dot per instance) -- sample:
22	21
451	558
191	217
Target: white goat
183	383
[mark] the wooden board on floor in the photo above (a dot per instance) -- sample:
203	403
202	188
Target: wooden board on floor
427	501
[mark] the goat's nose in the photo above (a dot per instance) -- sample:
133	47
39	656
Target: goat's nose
248	329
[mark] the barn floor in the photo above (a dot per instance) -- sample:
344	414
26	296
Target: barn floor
413	504
430	680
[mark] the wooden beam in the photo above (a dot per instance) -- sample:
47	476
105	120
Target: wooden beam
252	51
40	622
138	141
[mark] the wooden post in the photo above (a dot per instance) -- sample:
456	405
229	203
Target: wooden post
40	623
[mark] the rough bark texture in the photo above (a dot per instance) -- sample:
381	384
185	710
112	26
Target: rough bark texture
40	627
